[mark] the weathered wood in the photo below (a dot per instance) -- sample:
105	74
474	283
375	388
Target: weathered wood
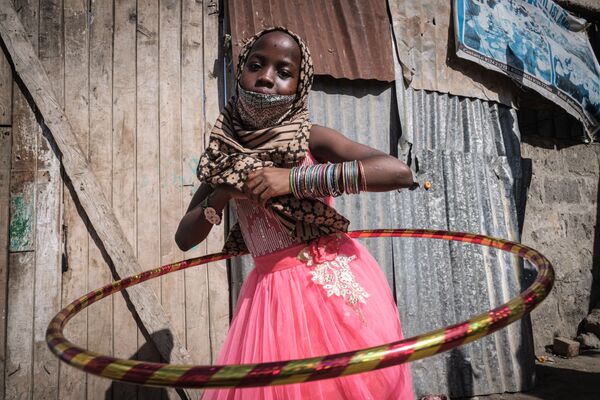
48	222
5	150
21	267
19	320
217	272
73	382
192	117
148	162
47	279
6	81
173	285
124	166
89	192
101	332
19	344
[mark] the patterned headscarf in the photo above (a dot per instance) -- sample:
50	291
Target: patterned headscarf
234	151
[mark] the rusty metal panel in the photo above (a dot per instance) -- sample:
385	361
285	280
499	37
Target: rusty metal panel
470	150
347	38
424	42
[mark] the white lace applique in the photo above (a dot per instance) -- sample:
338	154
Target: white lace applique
336	277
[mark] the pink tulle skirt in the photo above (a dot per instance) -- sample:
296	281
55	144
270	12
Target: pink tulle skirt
286	312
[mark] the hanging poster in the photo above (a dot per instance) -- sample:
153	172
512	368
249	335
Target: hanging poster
539	45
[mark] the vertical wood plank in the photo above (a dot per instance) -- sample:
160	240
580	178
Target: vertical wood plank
72	382
100	327
5	157
86	184
148	163
19	319
6	80
173	285
48	211
21	280
47	279
217	272
124	168
5	150
21	269
192	117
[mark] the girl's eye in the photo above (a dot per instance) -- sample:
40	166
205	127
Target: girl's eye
253	66
284	74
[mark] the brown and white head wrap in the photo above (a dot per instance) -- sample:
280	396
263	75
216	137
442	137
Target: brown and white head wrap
235	149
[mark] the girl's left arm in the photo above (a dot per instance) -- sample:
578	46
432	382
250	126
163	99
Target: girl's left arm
383	172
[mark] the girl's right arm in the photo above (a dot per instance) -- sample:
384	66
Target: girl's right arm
193	227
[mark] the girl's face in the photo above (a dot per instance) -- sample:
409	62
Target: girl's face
273	65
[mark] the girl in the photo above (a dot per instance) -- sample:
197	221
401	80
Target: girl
314	291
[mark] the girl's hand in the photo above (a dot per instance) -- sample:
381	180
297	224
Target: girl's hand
265	183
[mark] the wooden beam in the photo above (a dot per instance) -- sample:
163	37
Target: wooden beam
32	74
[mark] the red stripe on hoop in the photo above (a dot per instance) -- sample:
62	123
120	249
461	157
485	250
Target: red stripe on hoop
398	352
261	375
197	376
71	352
500	314
331	366
141	372
98	364
454	336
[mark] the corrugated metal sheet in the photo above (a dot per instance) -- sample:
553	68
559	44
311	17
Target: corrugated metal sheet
470	151
365	112
347	39
424	36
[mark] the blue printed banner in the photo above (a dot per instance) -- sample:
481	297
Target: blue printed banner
539	45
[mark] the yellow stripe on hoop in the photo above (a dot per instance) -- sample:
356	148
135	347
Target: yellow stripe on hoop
292	368
117	371
480	326
365	360
232	372
172	374
83	359
427	345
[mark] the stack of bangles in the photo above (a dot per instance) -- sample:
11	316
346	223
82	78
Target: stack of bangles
322	180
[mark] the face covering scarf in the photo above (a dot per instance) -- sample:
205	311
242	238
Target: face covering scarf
259	110
234	150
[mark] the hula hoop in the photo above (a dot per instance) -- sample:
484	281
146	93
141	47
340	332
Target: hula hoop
308	369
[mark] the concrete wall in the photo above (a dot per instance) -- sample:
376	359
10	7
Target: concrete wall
560	221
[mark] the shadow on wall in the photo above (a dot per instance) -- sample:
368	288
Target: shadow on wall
121	390
460	374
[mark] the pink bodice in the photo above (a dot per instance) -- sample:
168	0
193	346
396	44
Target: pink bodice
262	230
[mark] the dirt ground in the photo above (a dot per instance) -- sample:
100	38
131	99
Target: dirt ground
571	379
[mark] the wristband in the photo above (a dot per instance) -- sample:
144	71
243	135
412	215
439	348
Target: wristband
210	214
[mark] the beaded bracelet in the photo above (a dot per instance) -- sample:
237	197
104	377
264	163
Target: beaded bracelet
321	180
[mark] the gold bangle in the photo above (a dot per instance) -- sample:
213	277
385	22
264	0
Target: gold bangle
363	178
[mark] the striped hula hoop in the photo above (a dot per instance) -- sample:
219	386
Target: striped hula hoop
308	369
